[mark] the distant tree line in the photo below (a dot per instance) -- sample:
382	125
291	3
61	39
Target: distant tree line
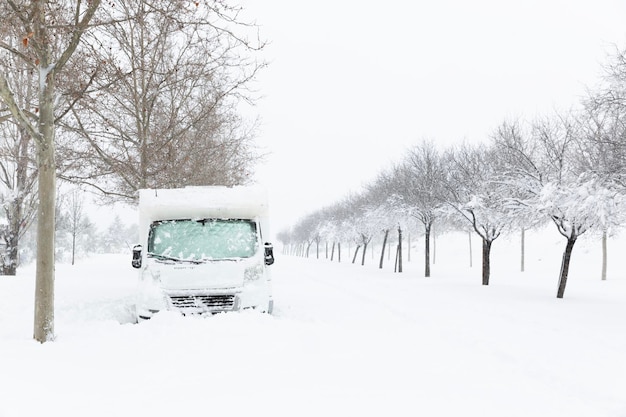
567	168
77	235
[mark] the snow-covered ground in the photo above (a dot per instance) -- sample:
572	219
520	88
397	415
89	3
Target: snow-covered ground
345	340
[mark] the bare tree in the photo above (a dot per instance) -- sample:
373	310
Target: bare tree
474	193
548	179
420	181
50	34
163	111
605	144
18	175
76	217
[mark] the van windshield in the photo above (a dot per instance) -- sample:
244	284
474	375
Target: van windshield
206	239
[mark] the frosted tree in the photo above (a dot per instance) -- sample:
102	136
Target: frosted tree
50	33
544	168
605	144
520	177
351	225
474	194
285	237
18	185
419	180
385	207
601	157
306	231
77	221
604	141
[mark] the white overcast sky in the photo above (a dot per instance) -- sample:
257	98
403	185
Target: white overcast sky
352	84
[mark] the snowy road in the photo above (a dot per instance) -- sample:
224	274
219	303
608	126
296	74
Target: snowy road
345	340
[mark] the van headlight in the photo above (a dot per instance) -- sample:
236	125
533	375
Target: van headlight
253	273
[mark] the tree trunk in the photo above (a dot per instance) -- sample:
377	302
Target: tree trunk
395	264
604	256
486	261
427	251
523	250
363	254
408	248
356	252
46	164
73	246
434	246
18	214
382	252
399	249
44	288
339	252
332	252
15	212
10	256
469	234
567	255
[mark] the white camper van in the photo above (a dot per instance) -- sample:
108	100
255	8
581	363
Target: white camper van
202	250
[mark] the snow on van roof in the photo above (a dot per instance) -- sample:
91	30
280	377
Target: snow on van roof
202	202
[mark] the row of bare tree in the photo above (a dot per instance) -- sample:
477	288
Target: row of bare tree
567	168
117	96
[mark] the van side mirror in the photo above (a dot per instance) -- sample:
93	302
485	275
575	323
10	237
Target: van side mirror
136	262
269	253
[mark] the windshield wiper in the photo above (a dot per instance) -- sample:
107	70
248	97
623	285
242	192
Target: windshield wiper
171	258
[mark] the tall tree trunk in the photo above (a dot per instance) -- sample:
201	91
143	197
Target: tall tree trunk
399	249
469	234
408	248
363	254
486	261
356	252
46	164
567	256
14	215
604	255
434	246
44	287
16	212
395	264
382	252
73	246
9	257
427	251
523	247
339	252
332	252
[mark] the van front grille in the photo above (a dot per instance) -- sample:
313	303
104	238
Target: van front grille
203	303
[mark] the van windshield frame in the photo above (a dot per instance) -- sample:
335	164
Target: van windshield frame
203	239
